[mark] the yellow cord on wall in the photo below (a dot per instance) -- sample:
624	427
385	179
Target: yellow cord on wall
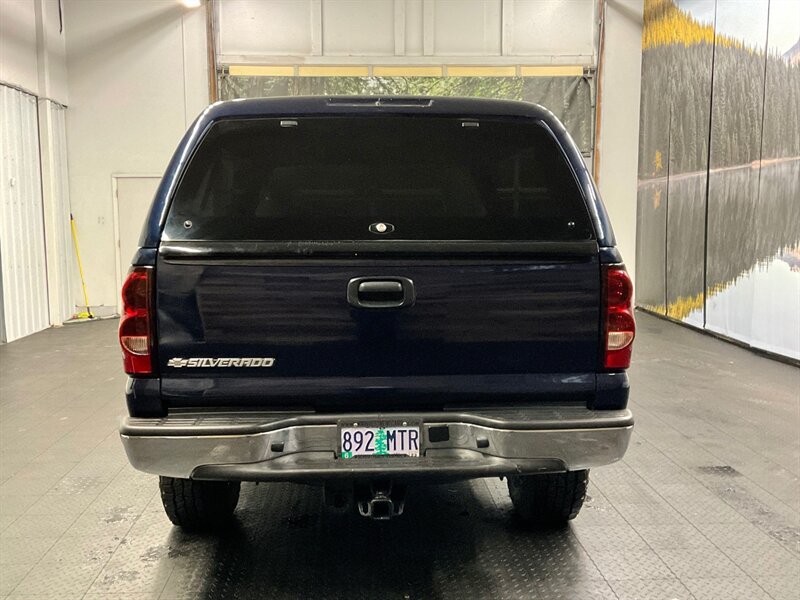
88	314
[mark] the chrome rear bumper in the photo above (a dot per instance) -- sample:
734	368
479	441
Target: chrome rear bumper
260	446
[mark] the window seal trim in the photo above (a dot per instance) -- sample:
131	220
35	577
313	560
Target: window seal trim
194	249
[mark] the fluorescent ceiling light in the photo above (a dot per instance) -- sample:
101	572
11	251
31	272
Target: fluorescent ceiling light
191	3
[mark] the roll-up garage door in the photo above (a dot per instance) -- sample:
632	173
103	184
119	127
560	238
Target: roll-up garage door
542	51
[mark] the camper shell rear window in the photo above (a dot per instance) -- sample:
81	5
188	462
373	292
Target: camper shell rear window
378	178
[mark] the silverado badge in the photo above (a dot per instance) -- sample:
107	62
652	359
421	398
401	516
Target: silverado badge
220	362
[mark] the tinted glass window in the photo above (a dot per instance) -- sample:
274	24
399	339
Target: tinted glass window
336	178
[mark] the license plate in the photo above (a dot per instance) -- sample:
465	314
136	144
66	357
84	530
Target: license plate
380	440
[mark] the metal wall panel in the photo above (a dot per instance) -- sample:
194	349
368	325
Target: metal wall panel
467	28
557	27
353	24
65	253
281	27
25	304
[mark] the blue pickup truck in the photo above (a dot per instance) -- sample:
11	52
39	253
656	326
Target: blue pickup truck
364	293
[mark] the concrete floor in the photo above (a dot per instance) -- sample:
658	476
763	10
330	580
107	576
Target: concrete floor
706	504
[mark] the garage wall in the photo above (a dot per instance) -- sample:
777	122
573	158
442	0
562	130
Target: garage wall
137	78
36	254
617	143
20	64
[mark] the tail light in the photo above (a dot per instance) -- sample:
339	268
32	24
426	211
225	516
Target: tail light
135	327
620	328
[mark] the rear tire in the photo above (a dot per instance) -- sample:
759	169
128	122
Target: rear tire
548	500
198	505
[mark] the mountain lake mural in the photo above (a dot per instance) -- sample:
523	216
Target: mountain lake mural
718	237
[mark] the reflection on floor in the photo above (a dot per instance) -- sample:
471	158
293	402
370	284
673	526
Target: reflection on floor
706	504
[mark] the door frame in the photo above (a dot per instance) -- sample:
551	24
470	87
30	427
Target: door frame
115	177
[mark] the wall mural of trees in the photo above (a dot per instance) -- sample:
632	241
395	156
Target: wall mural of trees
719	168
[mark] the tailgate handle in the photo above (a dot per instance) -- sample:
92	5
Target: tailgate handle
379	292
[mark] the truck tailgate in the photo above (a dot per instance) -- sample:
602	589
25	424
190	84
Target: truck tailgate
525	327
